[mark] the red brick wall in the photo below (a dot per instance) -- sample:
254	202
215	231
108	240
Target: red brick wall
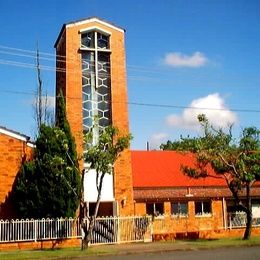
47	244
61	66
123	172
13	151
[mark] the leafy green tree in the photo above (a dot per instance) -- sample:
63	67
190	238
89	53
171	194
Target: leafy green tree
184	144
237	161
102	157
63	124
49	185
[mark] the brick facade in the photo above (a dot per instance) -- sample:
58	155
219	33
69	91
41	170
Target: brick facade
14	149
70	81
161	188
191	222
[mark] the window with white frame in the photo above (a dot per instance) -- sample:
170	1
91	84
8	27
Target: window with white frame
202	208
179	209
96	82
155	209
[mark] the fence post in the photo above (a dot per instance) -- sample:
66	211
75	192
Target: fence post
35	230
151	223
118	229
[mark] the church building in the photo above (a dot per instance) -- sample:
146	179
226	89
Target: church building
91	73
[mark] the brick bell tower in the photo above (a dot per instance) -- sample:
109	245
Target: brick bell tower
91	72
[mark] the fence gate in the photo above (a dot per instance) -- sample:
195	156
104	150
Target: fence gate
121	230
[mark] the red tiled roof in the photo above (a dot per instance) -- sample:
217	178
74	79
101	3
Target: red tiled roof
163	169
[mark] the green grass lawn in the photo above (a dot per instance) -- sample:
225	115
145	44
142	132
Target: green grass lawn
224	242
128	249
55	253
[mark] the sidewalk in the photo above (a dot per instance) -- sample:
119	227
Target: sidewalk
180	245
151	247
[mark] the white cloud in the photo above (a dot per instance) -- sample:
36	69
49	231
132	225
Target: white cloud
49	101
157	139
177	59
213	106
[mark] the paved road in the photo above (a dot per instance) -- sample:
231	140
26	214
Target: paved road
243	253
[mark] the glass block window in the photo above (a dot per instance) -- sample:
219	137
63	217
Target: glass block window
96	83
179	208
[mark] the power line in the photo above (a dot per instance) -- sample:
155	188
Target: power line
74	71
32	56
54	59
70	71
154	105
195	108
33	52
70	60
62	69
67	60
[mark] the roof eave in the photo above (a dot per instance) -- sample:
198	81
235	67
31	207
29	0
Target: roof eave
14	134
90	19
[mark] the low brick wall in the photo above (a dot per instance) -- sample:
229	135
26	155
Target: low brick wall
204	234
46	244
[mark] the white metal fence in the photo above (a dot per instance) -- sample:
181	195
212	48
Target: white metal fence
106	230
43	229
238	219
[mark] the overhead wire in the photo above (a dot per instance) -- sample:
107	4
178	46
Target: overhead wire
31	54
62	59
154	105
34	52
68	59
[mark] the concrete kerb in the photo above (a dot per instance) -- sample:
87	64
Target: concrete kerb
157	247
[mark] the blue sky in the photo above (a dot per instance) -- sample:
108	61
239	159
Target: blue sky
199	54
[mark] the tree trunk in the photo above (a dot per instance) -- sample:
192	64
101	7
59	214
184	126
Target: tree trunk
249	216
84	226
88	228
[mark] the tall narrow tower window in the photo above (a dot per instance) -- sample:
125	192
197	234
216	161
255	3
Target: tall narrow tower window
96	83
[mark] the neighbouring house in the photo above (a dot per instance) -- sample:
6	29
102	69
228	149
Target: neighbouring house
162	190
15	148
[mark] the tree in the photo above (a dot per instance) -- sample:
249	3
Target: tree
42	112
184	144
62	123
237	161
101	157
49	185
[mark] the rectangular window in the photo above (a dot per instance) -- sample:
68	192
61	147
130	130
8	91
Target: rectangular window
155	209
202	208
179	208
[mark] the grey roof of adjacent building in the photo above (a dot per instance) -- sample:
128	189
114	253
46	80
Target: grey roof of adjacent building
15	134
